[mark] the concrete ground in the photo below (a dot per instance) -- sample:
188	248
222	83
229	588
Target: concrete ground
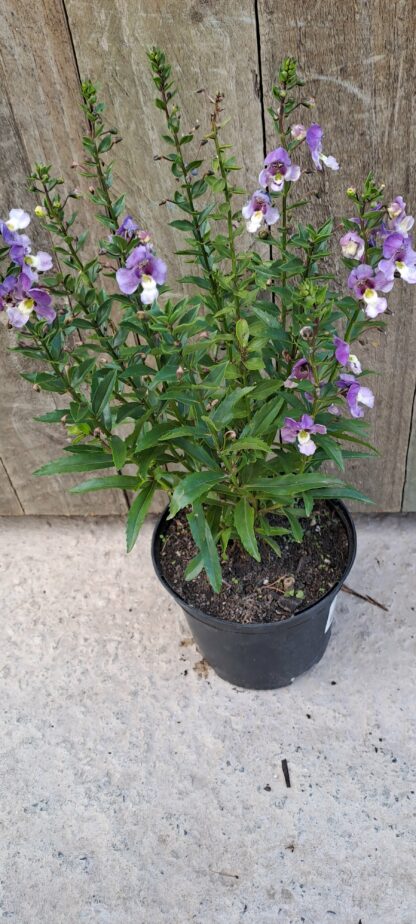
138	788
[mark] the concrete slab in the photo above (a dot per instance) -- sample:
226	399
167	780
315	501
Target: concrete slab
138	788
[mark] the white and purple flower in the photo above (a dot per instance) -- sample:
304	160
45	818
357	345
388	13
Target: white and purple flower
352	245
127	228
18	220
355	394
364	282
259	210
344	357
399	257
301	431
145	270
314	141
19	298
278	170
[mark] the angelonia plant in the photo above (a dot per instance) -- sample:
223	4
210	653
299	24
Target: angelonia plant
231	396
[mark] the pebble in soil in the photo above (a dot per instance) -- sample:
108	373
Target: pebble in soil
267	591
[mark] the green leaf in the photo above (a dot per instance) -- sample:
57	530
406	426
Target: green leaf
244	524
85	462
182	224
100	395
124	482
53	416
226	410
137	514
242	332
194	567
203	538
119	450
248	442
191	488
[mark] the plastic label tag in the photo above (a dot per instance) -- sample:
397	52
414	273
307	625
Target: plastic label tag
330	615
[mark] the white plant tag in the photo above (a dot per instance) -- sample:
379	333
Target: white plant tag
330	615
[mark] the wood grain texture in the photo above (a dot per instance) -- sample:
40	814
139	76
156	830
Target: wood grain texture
211	45
39	111
361	65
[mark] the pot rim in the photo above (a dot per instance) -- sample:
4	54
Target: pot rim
296	619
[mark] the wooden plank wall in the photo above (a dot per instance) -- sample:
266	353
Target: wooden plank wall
361	64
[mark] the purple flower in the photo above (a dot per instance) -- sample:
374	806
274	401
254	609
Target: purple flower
298	132
364	281
144	269
314	141
19	298
301	431
127	228
301	370
399	257
352	245
344	357
17	220
355	394
40	262
278	170
259	209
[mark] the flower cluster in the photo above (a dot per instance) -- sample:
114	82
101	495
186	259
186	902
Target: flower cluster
278	170
393	237
20	291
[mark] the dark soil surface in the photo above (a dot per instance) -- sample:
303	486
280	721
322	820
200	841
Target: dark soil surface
266	591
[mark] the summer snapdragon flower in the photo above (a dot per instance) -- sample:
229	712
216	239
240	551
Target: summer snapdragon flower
298	132
18	220
399	257
278	170
259	209
19	298
145	270
364	282
352	245
355	394
344	357
301	371
399	220
127	228
300	431
314	141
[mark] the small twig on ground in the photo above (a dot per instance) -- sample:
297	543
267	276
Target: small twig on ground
349	590
285	769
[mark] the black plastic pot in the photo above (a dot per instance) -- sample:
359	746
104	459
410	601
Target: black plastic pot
263	656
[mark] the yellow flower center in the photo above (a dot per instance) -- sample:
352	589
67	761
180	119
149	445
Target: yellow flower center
278	177
370	294
400	264
26	306
303	436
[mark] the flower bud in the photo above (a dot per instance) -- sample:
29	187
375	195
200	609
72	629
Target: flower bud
306	332
298	132
180	372
351	192
40	212
310	103
231	434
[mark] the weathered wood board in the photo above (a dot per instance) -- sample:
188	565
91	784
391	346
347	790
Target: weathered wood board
39	111
361	67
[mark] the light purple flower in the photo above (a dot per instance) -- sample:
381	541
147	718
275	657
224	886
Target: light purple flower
40	262
334	409
19	298
352	245
314	141
144	269
301	371
127	228
365	281
278	170
18	220
344	357
300	431
355	394
259	209
298	132
399	257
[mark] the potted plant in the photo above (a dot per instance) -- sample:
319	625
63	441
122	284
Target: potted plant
230	397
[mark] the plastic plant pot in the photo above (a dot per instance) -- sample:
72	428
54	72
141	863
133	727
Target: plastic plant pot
263	656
